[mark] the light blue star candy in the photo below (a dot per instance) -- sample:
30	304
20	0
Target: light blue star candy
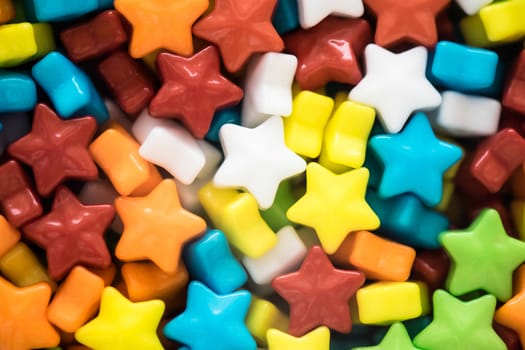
212	321
414	161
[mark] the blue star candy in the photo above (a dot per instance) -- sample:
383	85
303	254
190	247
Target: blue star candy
414	161
212	321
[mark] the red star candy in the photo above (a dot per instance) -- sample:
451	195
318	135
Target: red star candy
240	29
329	51
56	149
318	294
394	28
72	234
193	89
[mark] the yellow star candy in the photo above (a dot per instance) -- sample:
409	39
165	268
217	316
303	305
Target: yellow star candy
122	324
334	205
318	339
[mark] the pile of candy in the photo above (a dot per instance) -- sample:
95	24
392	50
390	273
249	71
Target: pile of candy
243	174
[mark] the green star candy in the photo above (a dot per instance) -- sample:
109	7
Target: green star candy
460	325
396	338
483	257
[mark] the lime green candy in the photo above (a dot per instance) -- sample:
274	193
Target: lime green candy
483	257
22	42
396	338
460	325
275	216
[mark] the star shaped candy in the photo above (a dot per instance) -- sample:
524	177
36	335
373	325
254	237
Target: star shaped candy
156	227
512	314
483	257
23	317
414	161
161	24
257	160
72	234
56	149
318	294
334	205
394	29
459	325
197	79
318	339
212	321
122	324
330	51
396	338
240	29
395	85
311	12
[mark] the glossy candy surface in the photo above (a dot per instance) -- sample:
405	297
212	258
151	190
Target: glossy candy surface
72	234
240	30
197	77
56	149
91	40
198	174
329	51
161	24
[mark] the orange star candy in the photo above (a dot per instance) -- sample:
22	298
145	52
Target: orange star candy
161	24
23	317
156	227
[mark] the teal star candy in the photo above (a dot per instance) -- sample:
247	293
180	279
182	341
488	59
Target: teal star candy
212	321
414	161
396	338
460	325
483	257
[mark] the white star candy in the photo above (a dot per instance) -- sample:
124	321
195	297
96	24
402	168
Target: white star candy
465	115
311	12
396	85
268	87
257	159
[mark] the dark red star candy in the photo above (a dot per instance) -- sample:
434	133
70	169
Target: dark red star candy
406	22
18	200
56	149
128	80
329	51
193	89
72	234
497	157
514	92
240	29
103	34
431	267
318	294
